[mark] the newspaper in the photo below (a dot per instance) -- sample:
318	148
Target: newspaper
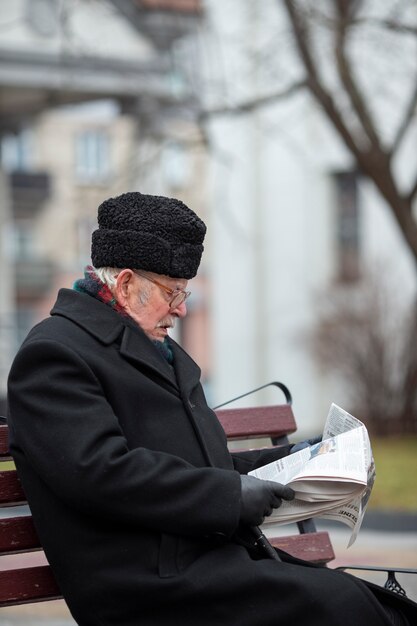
331	479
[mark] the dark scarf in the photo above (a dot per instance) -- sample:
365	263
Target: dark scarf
93	286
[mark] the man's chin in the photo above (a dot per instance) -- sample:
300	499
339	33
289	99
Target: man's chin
159	334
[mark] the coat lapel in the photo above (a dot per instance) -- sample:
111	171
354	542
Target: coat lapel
188	376
187	371
137	348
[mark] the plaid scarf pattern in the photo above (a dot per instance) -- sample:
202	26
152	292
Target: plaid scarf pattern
93	286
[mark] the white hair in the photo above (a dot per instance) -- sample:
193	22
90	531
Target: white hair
108	276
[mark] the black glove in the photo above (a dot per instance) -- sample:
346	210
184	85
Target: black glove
305	444
260	497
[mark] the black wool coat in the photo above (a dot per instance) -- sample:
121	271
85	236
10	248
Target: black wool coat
134	494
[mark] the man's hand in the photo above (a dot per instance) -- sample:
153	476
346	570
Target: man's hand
259	498
305	444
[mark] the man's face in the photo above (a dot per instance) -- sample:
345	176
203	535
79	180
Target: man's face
154	313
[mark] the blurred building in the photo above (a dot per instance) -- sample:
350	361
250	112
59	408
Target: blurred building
101	96
92	104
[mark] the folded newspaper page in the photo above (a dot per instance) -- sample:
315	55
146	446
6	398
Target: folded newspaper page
331	479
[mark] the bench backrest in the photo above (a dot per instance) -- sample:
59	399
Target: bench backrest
19	585
273	422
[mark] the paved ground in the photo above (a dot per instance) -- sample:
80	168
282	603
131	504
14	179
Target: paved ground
373	547
380	548
384	541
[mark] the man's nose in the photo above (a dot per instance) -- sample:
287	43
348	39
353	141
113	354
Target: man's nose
180	310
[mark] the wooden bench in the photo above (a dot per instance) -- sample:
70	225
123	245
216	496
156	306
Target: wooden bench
19	585
274	423
17	533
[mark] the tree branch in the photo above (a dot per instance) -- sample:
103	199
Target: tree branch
346	76
314	83
413	192
393	25
409	114
255	103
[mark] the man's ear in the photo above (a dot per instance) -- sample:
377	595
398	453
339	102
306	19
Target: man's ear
123	286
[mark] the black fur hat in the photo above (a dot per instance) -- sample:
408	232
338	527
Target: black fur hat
152	233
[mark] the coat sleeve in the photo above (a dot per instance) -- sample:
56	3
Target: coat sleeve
248	460
63	428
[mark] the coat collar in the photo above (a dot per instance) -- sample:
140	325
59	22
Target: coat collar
98	319
137	347
106	325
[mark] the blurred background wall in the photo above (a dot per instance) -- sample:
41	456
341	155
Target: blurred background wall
308	275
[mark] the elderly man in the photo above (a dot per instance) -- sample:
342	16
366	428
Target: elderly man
144	515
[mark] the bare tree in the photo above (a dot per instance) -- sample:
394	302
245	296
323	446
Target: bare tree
362	336
384	374
350	105
357	59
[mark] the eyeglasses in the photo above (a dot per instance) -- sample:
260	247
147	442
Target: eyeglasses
178	296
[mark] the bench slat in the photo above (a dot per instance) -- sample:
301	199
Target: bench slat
29	584
256	422
18	534
313	547
11	492
4	440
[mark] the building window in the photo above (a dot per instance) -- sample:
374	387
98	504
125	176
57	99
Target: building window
17	151
22	241
347	226
43	16
92	156
175	165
